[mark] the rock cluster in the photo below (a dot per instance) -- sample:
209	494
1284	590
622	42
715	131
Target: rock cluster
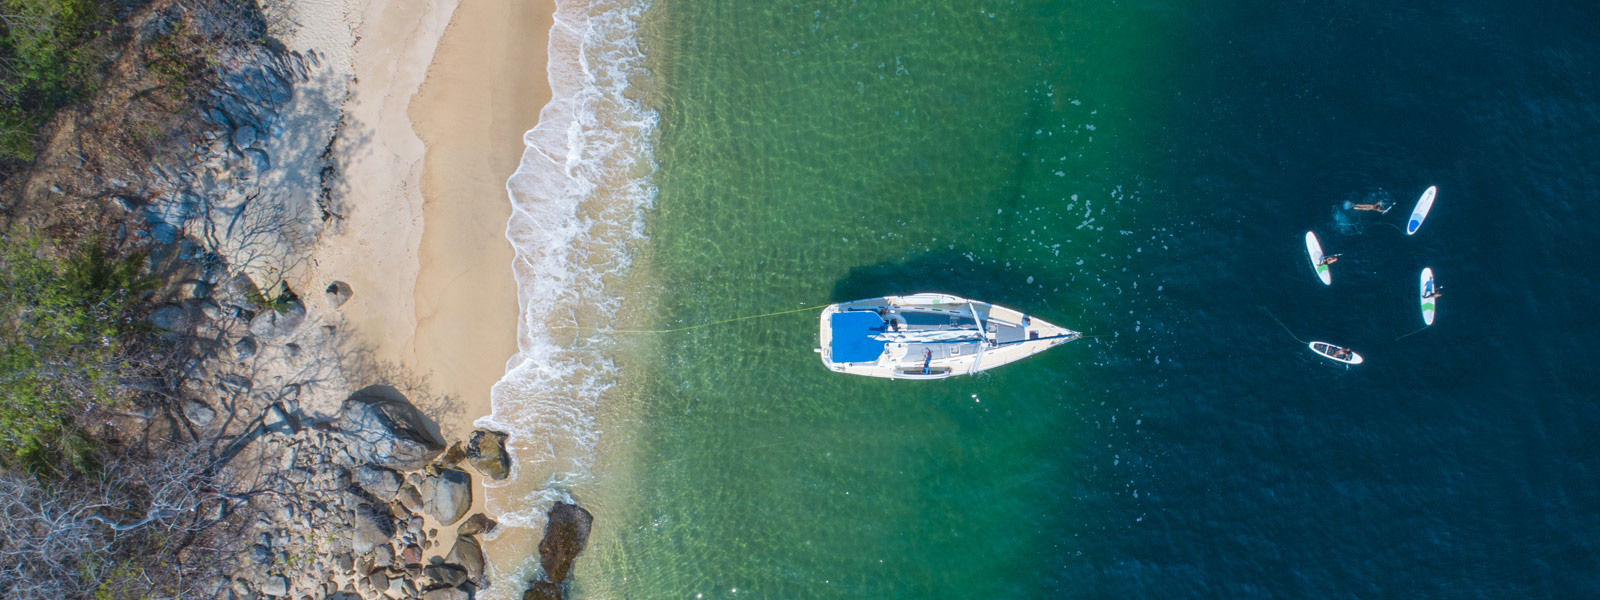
565	535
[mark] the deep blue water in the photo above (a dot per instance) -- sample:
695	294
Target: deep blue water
1145	172
1459	462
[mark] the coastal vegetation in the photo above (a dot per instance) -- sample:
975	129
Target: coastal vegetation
50	50
91	507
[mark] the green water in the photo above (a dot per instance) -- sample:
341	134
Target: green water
831	151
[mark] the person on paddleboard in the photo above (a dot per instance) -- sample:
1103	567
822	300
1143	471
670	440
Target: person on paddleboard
1433	291
1330	259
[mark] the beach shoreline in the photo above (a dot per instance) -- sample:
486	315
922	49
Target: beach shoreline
440	94
485	87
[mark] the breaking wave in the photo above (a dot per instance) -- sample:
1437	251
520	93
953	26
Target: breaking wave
578	202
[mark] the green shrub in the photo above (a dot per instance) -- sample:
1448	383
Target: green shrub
45	46
63	324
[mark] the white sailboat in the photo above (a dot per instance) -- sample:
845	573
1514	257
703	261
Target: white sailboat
929	336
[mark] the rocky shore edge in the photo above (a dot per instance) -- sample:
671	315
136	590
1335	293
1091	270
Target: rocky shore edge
307	468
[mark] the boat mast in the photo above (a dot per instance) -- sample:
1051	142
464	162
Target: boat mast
983	337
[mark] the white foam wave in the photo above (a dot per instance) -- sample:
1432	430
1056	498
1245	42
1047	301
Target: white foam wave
578	199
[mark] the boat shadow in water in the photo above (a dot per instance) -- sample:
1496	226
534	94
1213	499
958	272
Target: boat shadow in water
950	272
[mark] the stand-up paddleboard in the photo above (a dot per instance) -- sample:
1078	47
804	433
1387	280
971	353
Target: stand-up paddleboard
1315	249
1427	303
1421	212
1341	354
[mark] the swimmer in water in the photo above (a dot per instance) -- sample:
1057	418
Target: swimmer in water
1377	207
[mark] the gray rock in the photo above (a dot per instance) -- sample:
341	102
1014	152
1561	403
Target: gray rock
238	289
274	324
383	428
126	203
467	553
234	383
275	586
198	413
164	233
447	575
447	594
259	160
379	580
338	293
192	289
410	498
245	348
383	555
170	317
261	555
243	137
373	524
486	451
476	524
543	590
210	309
447	495
276	421
383	484
564	537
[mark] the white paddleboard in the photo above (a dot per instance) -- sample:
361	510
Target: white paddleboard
1330	351
1315	249
1427	303
1421	212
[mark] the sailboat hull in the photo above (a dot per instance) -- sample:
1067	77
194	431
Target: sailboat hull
929	336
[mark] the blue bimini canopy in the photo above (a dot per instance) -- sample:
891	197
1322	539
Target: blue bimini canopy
852	336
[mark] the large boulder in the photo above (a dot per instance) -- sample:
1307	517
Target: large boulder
272	324
467	553
486	450
543	590
445	575
564	537
382	483
337	294
447	495
383	428
373	525
447	594
275	586
476	524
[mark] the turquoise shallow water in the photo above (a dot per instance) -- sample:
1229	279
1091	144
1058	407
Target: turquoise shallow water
1143	173
870	150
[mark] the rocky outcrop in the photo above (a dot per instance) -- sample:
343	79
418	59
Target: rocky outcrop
543	590
278	323
446	495
564	537
382	428
383	484
467	553
486	451
447	594
476	524
275	586
372	525
445	575
337	294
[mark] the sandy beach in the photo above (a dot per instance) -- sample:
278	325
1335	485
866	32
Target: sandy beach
483	90
442	94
